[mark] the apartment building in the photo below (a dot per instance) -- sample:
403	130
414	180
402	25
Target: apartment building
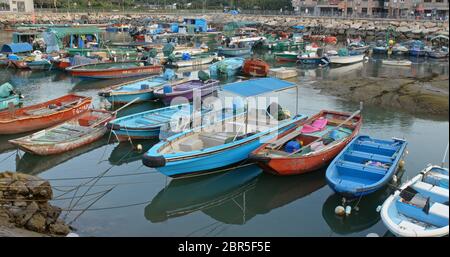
16	5
373	8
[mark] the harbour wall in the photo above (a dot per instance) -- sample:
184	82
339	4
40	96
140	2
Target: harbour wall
369	29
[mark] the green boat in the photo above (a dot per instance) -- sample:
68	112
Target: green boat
286	56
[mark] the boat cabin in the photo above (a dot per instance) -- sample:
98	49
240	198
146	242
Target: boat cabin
25	37
199	25
75	37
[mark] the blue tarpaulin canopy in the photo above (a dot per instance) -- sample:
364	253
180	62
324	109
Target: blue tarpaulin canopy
16	48
256	87
298	27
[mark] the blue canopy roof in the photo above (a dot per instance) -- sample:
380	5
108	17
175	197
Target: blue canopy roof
256	87
298	27
16	48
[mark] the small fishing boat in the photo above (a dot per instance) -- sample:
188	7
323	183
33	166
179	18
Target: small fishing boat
185	89
397	62
438	53
313	58
204	149
234	50
419	208
308	146
110	70
227	66
8	96
398	49
196	60
286	56
43	115
148	124
365	165
344	60
255	67
142	89
72	134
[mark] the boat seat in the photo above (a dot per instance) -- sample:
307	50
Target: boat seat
436	179
191	145
362	167
439	210
371	156
376	145
215	139
436	193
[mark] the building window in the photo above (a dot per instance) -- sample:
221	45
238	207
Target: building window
439	1
4	5
427	1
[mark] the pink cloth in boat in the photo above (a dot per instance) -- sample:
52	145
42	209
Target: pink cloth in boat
317	125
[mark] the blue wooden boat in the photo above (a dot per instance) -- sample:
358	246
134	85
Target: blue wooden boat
419	208
228	67
234	51
365	165
141	89
314	60
223	143
42	64
148	124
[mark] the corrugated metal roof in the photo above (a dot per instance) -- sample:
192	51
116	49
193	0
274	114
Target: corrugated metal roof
16	48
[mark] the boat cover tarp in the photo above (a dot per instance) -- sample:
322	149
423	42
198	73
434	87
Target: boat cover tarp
5	90
17	48
51	42
256	87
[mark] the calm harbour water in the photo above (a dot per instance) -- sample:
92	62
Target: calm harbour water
133	200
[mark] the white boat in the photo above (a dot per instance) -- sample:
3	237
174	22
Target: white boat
283	73
397	62
420	207
196	61
341	60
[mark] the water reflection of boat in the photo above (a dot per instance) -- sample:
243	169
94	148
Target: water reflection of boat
124	153
184	196
232	197
35	164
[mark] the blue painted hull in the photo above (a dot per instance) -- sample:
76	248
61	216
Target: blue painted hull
225	155
234	52
364	166
130	97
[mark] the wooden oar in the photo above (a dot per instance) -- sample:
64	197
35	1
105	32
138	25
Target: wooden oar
320	138
126	105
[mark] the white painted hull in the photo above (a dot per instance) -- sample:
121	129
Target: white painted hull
346	59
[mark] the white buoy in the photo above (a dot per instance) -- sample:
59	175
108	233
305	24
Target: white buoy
372	235
394	179
348	210
339	210
356	208
139	148
379	208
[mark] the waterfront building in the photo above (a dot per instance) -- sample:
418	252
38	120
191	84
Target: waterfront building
16	5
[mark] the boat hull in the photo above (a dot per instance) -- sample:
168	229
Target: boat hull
126	98
256	68
226	155
21	125
167	98
78	71
234	52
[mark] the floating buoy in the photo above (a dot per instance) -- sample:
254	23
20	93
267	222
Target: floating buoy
406	152
139	148
339	210
356	208
378	208
394	179
348	210
401	164
372	235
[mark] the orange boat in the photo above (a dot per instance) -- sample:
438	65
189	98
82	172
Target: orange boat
255	67
308	146
43	115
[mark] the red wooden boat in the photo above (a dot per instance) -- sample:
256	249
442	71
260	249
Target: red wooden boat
110	70
82	130
310	145
43	115
18	64
255	67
